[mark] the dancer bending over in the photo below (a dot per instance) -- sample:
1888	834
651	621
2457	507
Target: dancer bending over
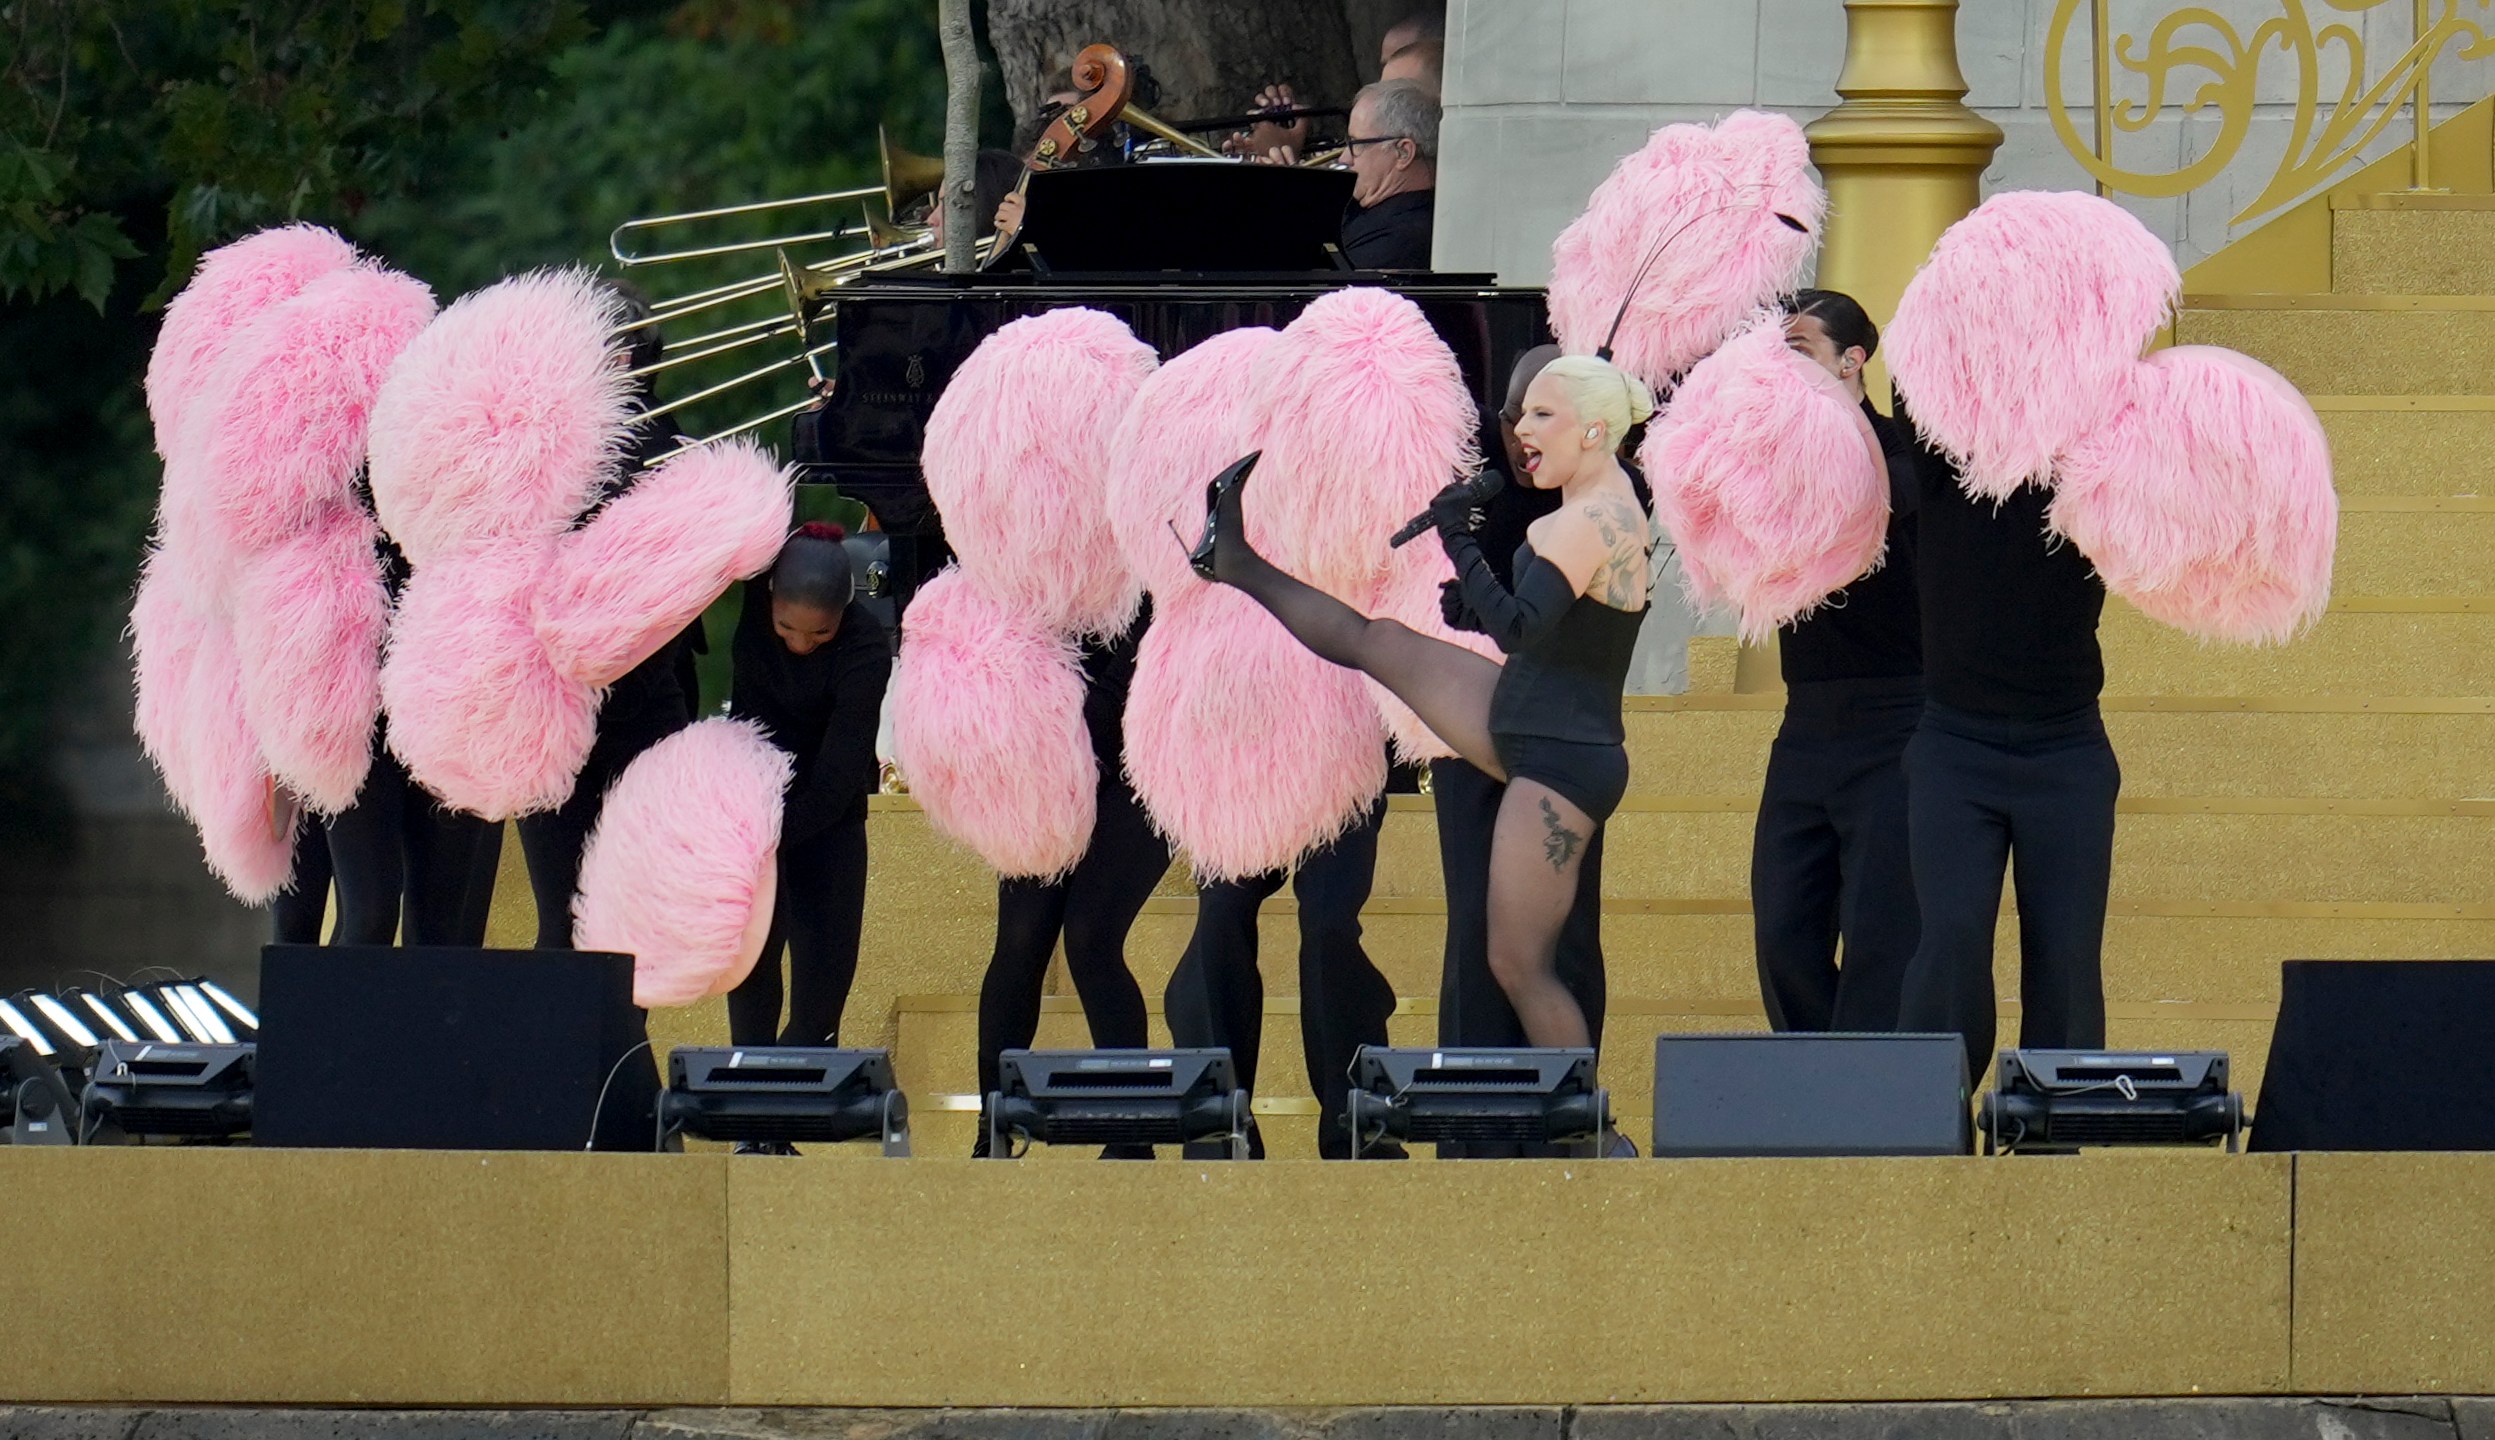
1548	722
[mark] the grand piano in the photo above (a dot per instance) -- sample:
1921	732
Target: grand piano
1179	250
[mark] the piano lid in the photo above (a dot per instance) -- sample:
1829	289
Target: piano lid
1203	216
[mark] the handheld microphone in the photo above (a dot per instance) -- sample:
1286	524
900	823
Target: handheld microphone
1482	487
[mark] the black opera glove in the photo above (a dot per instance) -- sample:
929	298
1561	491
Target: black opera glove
1452	608
1456	510
1518	617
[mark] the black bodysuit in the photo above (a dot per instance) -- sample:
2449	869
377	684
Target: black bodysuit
1555	715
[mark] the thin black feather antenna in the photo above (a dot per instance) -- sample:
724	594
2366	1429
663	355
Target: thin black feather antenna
1602	352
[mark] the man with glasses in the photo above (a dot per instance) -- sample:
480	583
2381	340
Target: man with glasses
1392	152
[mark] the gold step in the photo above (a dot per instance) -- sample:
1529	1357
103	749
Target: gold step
2380	645
2354	344
2409	446
2445	250
2448	550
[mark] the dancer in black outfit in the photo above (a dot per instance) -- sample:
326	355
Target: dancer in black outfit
1093	908
811	666
1216	996
1472	1009
296	914
1829	858
2009	764
1548	722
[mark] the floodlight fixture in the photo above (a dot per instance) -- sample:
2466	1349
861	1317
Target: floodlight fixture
1116	1097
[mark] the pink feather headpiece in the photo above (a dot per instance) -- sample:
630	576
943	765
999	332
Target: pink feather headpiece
1693	232
2206	499
682	870
1769	479
1965	348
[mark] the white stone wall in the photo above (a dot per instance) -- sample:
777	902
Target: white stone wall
1544	95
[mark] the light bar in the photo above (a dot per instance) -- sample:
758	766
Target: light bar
151	1017
178	1006
65	1023
241	1013
33	1034
219	1032
104	1011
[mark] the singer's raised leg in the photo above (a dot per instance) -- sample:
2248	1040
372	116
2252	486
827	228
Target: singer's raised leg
1446	685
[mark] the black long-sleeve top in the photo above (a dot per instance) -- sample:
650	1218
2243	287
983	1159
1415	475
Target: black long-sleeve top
2009	611
821	708
1872	628
1108	674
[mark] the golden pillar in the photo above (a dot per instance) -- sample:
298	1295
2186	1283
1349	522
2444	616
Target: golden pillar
1902	158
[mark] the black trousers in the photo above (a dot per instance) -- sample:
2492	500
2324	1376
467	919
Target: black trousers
553	839
1828	860
1216	996
295	915
2038	795
816	919
408	866
1093	909
1472	1008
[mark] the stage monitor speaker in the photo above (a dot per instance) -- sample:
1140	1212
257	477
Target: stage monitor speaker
1796	1094
451	1049
2380	1055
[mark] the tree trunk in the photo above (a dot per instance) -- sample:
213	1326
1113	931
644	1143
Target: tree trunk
962	225
1210	57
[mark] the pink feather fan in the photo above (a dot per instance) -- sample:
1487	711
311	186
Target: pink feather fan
2206	500
1965	346
503	419
258	625
655	558
1768	479
1365	418
233	284
1702	203
1247	749
988	725
1187	422
1017	460
682	871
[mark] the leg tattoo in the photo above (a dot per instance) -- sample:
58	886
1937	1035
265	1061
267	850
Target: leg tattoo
1559	843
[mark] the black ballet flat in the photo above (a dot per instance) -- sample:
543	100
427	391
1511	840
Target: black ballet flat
1200	556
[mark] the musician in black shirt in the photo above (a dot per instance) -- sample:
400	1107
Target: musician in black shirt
811	665
1392	150
2009	765
1829	857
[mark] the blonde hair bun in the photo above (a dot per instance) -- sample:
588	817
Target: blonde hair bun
1602	392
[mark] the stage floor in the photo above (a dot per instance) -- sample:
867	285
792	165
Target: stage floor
495	1279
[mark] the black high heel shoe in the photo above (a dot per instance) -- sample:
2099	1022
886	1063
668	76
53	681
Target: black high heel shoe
1221	487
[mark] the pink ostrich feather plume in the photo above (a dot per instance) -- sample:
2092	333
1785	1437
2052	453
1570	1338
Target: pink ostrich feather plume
501	421
478	712
655	558
1701	202
1365	417
1017	460
246	821
680	872
309	617
1186	423
232	284
167	635
1964	349
1768	479
283	427
987	711
2207	499
1298	740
